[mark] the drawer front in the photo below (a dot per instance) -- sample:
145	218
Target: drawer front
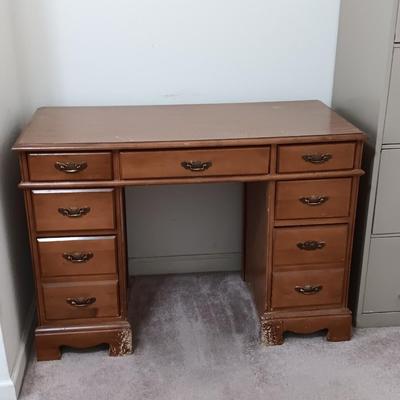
321	198
77	256
194	163
307	288
310	245
315	157
59	210
397	37
387	216
392	123
81	300
70	166
382	291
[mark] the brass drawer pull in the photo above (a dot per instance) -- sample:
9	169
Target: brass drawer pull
196	166
70	167
81	301
78	258
308	289
74	212
317	158
311	245
314	200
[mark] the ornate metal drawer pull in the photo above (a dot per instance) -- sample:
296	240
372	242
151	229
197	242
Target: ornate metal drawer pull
311	245
80	301
70	167
317	158
196	166
74	212
314	200
308	289
78	258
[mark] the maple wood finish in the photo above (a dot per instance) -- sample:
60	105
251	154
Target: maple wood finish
319	198
320	157
300	162
70	166
60	210
311	288
181	163
74	300
310	245
77	255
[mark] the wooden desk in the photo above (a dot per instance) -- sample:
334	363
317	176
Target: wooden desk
300	163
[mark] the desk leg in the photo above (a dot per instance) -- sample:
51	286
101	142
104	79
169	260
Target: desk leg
117	336
271	331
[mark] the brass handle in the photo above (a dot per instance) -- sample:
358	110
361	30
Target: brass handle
317	158
70	167
314	200
311	245
80	301
78	258
74	212
196	166
308	289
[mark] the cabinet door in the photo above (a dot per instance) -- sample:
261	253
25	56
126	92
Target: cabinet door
392	124
382	292
397	38
387	208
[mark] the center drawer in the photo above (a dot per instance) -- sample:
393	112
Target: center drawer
77	256
81	300
310	245
317	198
60	210
194	163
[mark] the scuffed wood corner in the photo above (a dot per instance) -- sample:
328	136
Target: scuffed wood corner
123	344
271	331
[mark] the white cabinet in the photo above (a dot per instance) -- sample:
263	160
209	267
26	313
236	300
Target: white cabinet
382	291
392	123
387	209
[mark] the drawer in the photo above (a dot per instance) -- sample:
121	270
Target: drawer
387	216
81	300
307	288
397	36
315	157
77	256
70	166
60	210
322	198
310	245
194	163
392	123
382	291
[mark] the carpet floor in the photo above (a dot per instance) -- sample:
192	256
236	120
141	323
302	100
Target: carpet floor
196	338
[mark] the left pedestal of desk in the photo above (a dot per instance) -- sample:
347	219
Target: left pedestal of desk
77	237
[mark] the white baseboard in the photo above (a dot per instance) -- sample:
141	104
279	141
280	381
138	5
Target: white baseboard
185	264
7	390
18	372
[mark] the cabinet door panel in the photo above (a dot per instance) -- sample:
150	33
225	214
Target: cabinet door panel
392	123
382	292
387	215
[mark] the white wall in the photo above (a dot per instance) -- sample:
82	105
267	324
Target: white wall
16	289
99	52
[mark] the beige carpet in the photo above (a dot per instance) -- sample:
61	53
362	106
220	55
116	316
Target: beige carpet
197	339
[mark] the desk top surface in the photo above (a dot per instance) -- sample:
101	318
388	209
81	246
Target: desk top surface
80	128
